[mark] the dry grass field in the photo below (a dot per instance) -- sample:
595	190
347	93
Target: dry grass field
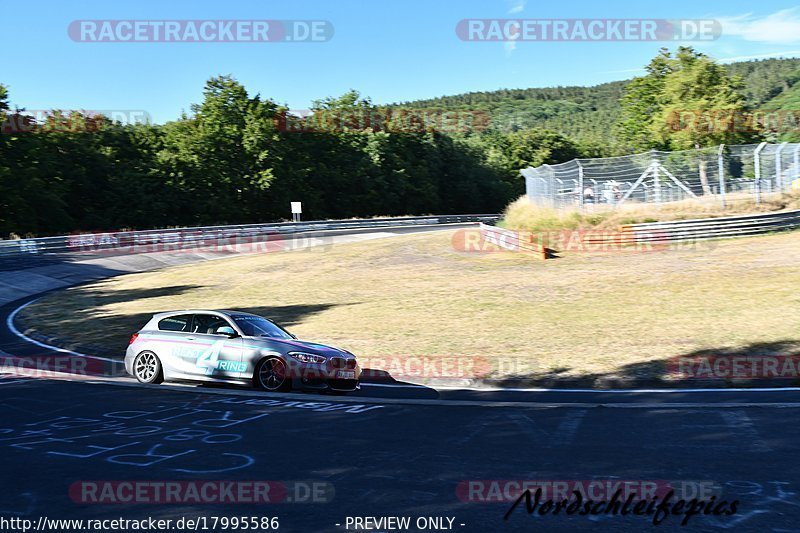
523	215
596	319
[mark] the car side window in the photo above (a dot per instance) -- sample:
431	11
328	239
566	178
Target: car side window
208	324
175	323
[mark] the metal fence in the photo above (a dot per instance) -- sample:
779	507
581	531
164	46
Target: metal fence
723	174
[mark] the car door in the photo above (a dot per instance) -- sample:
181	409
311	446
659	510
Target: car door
173	345
216	354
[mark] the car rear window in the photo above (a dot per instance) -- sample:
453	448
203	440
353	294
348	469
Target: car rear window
175	323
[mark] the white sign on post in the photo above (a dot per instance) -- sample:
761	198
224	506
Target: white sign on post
297	208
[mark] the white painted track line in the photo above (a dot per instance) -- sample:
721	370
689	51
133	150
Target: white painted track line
13	329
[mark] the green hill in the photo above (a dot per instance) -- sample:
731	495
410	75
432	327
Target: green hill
789	99
587	114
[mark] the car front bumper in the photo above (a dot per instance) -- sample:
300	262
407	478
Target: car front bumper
321	378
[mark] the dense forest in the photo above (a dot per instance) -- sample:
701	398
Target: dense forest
585	114
239	157
234	160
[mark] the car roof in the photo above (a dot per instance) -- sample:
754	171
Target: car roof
226	312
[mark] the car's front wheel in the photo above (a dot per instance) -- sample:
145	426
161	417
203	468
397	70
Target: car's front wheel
147	368
272	375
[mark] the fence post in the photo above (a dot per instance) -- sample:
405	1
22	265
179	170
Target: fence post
656	179
555	191
540	198
778	177
580	185
721	171
551	186
757	165
525	173
797	161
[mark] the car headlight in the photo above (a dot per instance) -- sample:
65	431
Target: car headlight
308	357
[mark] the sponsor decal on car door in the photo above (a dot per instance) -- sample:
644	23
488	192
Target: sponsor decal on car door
213	354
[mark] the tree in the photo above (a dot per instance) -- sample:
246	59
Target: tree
685	101
534	147
220	157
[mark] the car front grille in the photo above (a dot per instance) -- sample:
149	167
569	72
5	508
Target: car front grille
341	362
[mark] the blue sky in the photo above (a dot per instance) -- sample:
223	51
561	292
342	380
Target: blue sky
390	51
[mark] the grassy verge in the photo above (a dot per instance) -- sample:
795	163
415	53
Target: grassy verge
594	319
523	215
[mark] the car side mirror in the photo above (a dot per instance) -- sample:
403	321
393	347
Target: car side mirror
227	330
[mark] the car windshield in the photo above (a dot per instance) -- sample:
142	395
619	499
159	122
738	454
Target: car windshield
256	326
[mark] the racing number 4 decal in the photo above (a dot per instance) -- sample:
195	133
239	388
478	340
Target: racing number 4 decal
210	357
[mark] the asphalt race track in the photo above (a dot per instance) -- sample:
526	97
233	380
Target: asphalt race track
381	460
70	445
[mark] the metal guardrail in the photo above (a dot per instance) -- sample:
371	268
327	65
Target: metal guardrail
186	238
713	228
545	243
182	238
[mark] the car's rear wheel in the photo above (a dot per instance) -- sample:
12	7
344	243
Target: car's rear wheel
147	368
272	375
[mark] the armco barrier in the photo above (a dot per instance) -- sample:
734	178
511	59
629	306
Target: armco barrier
713	228
205	235
653	232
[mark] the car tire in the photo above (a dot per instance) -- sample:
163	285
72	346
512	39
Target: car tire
272	375
147	368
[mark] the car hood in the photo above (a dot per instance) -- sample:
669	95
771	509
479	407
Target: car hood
292	345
